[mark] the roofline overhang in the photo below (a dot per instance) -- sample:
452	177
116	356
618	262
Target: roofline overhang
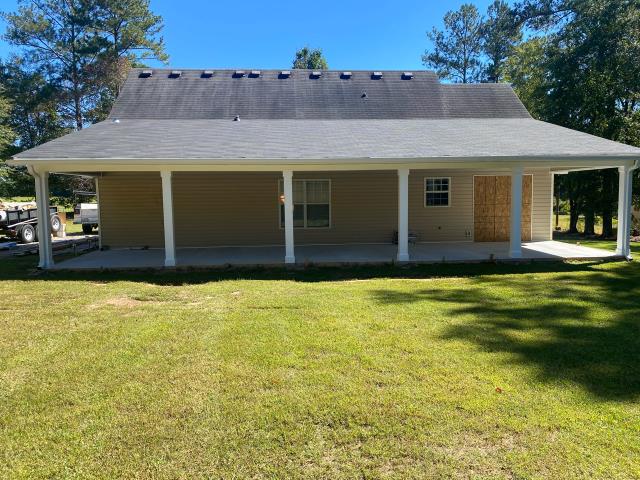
18	161
247	165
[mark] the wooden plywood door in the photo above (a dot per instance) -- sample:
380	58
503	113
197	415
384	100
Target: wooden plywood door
492	208
484	208
502	208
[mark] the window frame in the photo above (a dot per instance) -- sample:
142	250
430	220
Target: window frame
425	192
305	226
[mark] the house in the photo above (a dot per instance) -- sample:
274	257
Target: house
298	166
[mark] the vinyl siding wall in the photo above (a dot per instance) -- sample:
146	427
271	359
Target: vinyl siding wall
214	209
541	208
455	223
131	210
226	209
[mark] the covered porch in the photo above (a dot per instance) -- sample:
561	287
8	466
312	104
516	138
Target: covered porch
331	255
285	247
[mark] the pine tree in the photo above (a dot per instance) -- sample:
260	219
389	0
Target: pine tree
310	59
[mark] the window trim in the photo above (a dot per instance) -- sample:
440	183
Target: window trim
304	180
424	192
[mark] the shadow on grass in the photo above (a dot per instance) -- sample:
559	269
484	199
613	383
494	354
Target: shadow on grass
24	268
551	327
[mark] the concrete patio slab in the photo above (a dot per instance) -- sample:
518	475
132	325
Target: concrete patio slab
119	259
468	251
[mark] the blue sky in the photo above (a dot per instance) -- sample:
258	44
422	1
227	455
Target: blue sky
354	34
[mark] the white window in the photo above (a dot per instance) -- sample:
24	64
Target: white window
311	203
436	191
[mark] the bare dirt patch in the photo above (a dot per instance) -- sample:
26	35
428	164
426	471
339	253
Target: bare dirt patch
119	302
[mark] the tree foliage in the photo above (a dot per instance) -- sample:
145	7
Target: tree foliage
585	76
6	133
457	49
501	33
83	47
34	116
526	70
577	68
310	59
34	119
73	57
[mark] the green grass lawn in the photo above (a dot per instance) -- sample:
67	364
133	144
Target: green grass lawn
595	243
564	223
443	371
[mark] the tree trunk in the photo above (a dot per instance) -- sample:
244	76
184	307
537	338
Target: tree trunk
607	224
608	200
589	223
78	110
573	216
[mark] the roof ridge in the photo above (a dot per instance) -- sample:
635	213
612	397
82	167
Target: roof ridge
249	69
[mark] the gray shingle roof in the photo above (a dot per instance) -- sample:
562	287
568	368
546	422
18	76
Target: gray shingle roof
190	116
332	96
326	139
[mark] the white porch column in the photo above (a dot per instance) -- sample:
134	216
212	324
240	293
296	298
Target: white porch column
624	212
515	238
45	248
289	256
167	210
403	215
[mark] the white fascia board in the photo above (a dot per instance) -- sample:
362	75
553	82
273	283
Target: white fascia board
105	165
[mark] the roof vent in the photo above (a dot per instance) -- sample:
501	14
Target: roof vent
316	74
239	73
207	74
285	74
175	73
346	75
115	120
376	75
407	75
146	73
364	95
255	73
236	118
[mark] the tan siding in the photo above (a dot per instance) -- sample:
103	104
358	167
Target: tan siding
131	210
213	209
441	224
542	205
242	209
364	208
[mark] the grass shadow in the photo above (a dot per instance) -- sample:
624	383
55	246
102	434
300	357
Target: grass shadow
583	329
24	268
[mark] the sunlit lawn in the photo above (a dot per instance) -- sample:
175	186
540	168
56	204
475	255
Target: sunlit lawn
602	244
563	223
479	371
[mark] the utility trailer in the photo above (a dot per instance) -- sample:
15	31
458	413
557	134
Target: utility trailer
23	224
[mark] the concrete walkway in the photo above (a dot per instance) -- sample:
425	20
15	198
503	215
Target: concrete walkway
329	255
